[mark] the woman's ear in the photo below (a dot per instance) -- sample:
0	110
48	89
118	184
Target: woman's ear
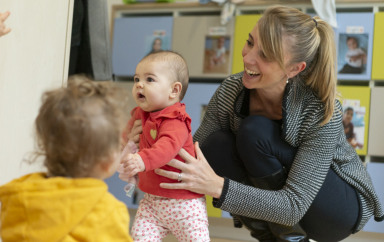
296	69
176	90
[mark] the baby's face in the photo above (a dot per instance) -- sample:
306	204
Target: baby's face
153	85
352	44
157	45
348	115
220	42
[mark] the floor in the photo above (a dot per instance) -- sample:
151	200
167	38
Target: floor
222	230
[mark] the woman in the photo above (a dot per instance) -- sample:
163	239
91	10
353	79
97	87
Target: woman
274	137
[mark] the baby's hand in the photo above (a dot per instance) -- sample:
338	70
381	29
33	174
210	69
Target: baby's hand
133	165
130	147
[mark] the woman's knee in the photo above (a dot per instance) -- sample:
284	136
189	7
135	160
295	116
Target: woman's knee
220	151
219	140
257	131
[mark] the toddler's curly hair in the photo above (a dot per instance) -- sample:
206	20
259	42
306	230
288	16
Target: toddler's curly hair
79	126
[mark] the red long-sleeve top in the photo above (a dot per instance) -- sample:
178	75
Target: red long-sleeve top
165	132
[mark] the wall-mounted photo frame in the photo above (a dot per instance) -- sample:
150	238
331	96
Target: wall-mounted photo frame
356	101
353	53
354	41
196	36
354	123
216	54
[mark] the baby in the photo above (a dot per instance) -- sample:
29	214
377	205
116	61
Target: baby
161	80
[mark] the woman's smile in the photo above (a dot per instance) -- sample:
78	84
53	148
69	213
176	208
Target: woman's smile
251	73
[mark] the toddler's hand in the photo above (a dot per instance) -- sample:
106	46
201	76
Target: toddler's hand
133	165
129	148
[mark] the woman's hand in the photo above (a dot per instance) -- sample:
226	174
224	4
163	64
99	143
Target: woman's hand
3	28
196	175
135	132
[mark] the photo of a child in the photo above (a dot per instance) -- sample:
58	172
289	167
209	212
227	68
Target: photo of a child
157	41
353	122
216	56
352	53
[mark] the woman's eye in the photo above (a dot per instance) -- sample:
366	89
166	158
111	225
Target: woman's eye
249	43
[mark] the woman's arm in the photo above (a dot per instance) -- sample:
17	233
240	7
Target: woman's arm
197	175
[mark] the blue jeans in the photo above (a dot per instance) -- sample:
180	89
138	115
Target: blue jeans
258	151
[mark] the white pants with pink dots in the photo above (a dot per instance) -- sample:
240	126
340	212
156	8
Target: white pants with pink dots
157	216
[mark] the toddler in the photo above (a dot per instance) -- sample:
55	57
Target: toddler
79	136
161	80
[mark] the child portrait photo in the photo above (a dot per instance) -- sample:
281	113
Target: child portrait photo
216	54
352	58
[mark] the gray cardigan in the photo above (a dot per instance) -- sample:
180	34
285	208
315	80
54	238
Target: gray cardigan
319	148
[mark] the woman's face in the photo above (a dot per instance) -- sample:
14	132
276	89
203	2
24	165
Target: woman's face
259	72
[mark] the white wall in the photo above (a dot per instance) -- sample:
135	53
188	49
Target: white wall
34	57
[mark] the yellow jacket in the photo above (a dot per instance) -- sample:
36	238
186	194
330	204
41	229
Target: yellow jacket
36	208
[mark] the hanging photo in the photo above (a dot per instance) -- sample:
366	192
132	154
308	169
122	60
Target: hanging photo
354	41
158	41
353	53
216	54
354	123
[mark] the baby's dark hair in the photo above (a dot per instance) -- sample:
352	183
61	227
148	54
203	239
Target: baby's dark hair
178	67
79	126
348	109
353	38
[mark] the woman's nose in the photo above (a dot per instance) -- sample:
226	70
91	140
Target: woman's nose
249	56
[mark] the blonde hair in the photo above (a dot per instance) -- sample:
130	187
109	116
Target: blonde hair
310	40
79	126
178	67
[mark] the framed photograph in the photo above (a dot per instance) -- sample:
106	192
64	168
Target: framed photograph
356	112
353	122
352	58
216	54
354	41
158	41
